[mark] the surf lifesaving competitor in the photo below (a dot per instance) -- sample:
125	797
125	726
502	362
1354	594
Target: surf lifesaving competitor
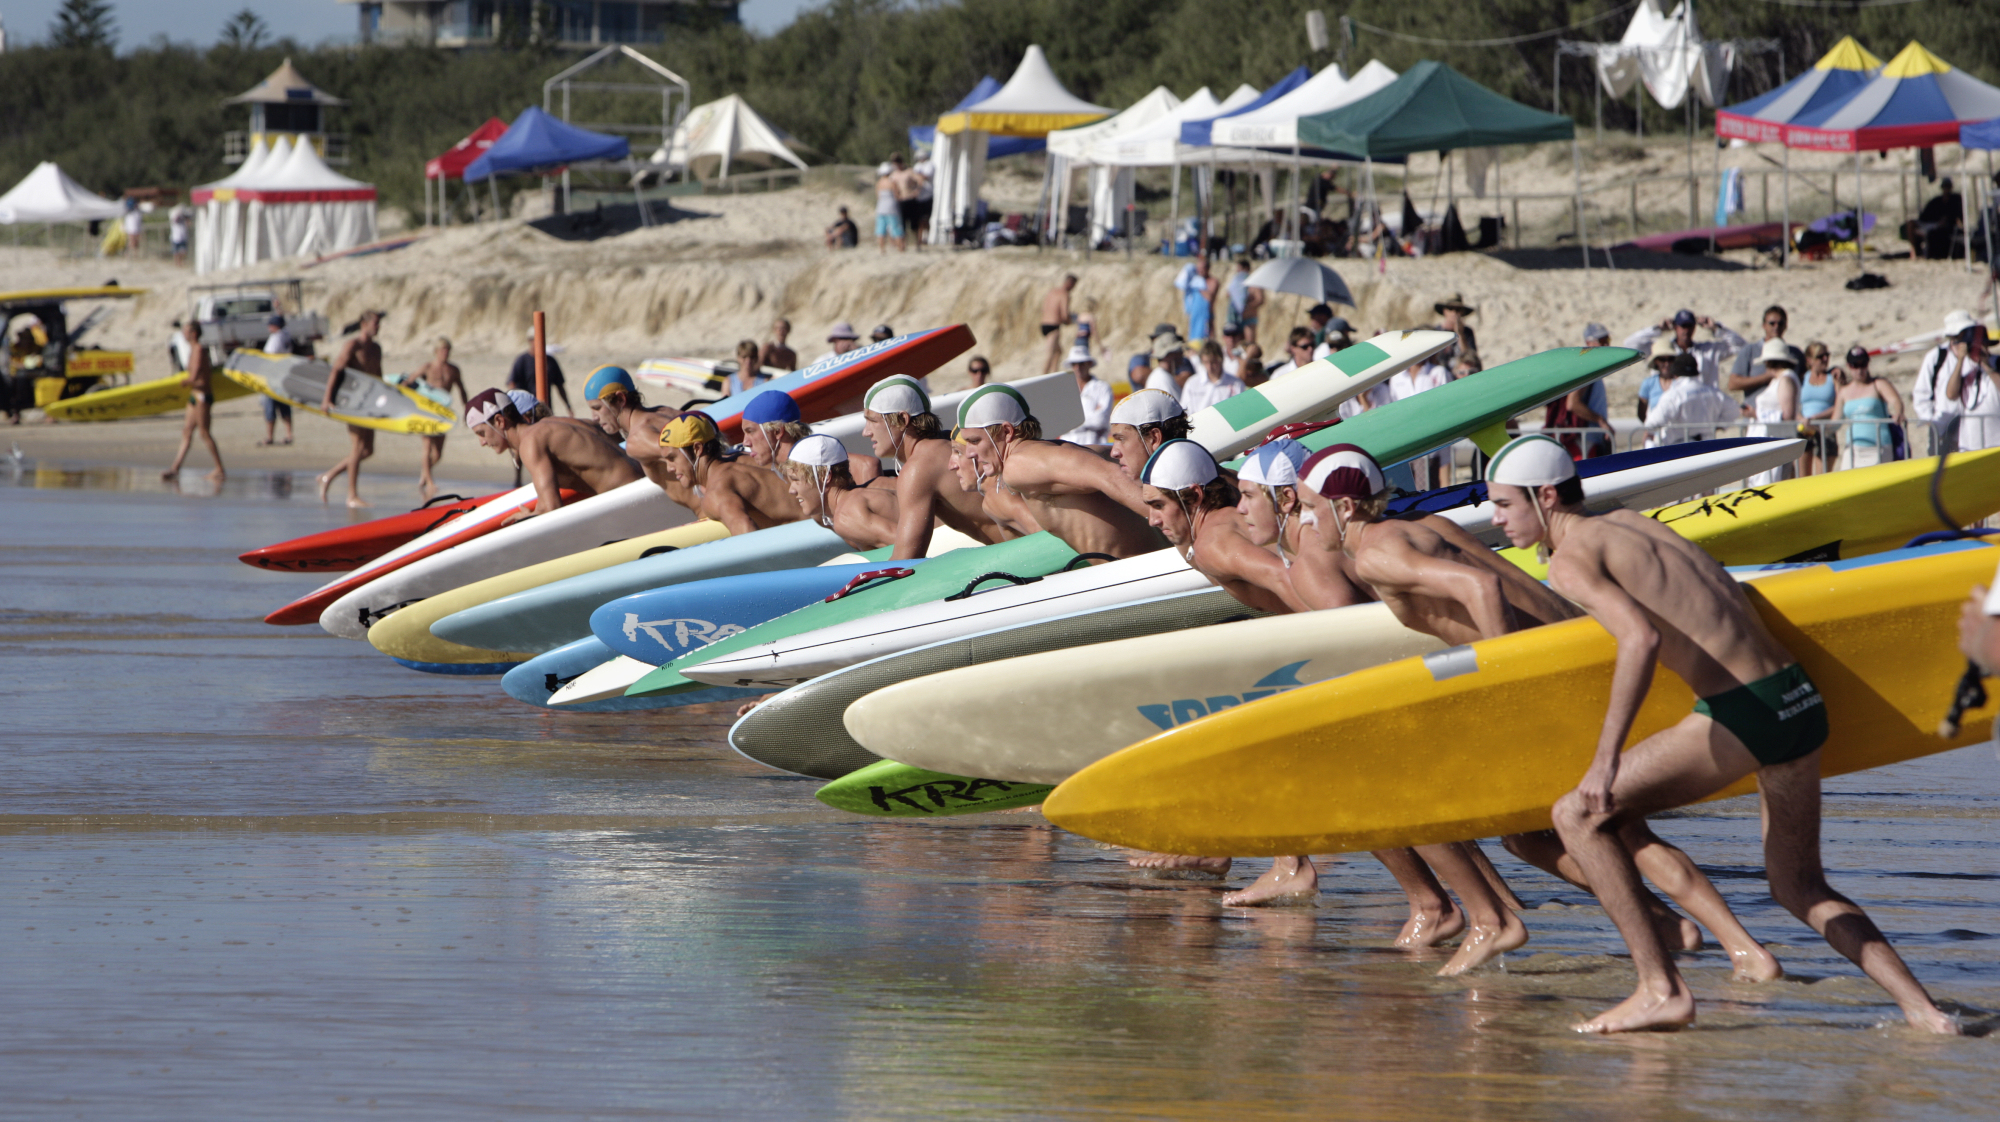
617	407
1668	603
864	517
772	428
558	453
1141	423
897	419
1004	515
728	487
1441	581
1073	493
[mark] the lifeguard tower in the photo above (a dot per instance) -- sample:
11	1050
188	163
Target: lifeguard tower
287	105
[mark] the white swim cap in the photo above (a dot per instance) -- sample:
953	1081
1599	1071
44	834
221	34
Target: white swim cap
1147	407
898	393
1178	465
992	405
1275	464
818	450
1531	461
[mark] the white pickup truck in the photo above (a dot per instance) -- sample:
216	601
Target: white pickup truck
241	318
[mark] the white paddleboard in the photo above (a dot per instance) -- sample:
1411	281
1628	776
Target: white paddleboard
797	658
607	679
1313	392
638	507
1041	718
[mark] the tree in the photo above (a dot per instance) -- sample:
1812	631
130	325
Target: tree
245	31
83	25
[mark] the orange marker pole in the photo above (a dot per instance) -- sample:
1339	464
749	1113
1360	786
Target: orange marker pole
542	357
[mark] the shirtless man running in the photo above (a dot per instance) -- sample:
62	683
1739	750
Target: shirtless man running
559	453
729	489
1073	493
864	517
361	353
1442	581
1668	603
200	383
442	374
897	419
772	428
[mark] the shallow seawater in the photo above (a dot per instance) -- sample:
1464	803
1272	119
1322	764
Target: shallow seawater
254	871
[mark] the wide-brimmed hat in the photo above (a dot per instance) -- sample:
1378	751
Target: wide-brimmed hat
1776	350
841	330
1456	302
1167	344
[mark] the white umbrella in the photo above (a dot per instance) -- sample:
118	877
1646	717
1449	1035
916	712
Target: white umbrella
1302	276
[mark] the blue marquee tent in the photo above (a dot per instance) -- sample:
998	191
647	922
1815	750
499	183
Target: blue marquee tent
1202	132
538	142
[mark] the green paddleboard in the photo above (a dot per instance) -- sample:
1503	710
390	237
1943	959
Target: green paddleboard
1036	555
892	790
1477	407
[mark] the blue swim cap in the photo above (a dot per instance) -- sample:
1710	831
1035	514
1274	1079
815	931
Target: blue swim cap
770	407
607	377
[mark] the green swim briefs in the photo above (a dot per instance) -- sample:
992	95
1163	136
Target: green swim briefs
1779	718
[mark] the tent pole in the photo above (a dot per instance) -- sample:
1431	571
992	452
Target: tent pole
1785	235
1860	226
1993	211
1965	206
1639	111
1174	222
1598	84
1722	208
1694	214
1556	87
493	188
1576	162
1297	195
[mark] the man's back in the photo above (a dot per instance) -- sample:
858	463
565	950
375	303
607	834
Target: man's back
1391	561
580	453
1060	485
1709	633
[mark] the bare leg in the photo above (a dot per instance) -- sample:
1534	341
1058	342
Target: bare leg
1494	880
1671	768
1680	878
187	440
1492	928
201	420
1790	806
1290	880
433	452
1544	850
1433	916
363	446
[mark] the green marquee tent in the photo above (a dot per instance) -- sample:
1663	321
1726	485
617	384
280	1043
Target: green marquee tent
1431	108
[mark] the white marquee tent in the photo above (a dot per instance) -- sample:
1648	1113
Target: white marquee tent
1277	125
48	195
1110	187
1159	144
713	136
289	204
1032	103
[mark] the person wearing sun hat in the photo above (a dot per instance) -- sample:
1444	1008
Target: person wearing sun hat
1075	494
896	417
816	470
727	487
1096	398
557	455
1666	603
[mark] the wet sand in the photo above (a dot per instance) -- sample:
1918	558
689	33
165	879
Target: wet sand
256	871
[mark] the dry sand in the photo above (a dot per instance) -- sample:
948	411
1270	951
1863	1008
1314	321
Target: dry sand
718	269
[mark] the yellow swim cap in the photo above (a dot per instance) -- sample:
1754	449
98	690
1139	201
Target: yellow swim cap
689	430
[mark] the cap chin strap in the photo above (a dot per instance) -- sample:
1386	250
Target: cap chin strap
821	477
770	447
1192	524
1279	509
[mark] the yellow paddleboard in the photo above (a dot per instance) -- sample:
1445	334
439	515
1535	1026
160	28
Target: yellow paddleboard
1477	741
406	634
1826	517
162	395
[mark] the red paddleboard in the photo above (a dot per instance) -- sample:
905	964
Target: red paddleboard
338	551
1758	236
838	380
486	518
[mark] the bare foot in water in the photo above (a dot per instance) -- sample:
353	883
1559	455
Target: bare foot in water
325	482
1425	928
1933	1019
358	504
1646	1012
1755	965
1176	862
1290	880
216	476
1484	944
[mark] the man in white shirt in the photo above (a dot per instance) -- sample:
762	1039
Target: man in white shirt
1211	383
1924	401
1167	365
1299	351
1690	408
1708	356
1096	426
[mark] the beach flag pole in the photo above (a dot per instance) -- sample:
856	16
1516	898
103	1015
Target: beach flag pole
541	356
